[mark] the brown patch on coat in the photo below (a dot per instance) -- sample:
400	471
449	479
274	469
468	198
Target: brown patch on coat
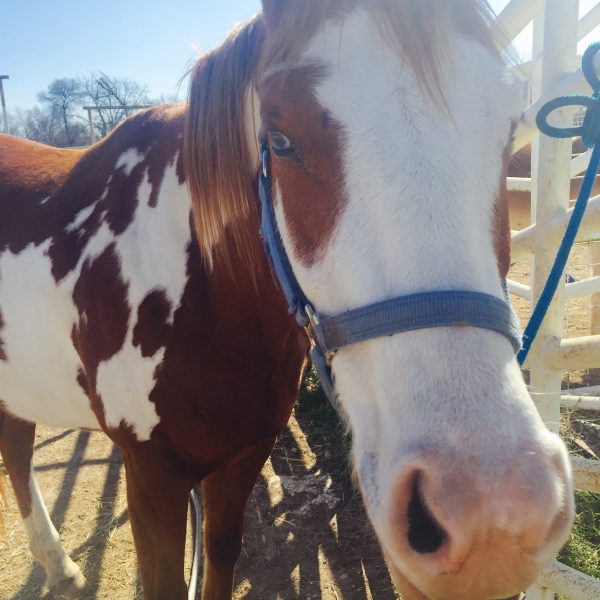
42	189
82	381
100	296
311	185
150	331
231	366
30	173
16	447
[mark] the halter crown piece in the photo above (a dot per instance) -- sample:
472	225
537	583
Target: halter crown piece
328	333
590	135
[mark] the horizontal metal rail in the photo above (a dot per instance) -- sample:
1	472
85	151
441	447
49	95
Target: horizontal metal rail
581	352
580	402
519	289
592	390
518	184
523	241
569	583
586	474
119	107
584	287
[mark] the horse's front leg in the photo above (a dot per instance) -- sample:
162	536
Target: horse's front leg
157	496
224	496
63	576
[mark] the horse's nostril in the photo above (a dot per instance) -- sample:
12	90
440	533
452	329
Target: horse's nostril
425	534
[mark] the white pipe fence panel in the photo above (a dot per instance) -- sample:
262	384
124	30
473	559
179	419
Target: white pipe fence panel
553	71
580	402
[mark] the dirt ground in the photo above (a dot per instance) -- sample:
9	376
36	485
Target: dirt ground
306	536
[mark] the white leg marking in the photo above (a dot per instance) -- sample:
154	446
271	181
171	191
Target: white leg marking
44	540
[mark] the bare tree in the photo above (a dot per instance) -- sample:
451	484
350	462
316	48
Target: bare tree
105	92
63	96
41	124
59	119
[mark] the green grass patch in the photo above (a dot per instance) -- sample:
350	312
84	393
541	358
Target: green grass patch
314	405
582	551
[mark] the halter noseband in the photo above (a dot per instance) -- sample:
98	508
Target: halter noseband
327	334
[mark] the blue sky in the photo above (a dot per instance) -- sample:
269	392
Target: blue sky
143	40
151	41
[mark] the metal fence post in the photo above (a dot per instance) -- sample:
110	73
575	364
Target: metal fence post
551	161
555	39
3	103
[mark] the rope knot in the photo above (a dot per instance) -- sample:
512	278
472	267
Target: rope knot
589	131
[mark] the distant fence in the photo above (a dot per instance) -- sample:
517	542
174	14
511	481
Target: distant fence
90	109
3	103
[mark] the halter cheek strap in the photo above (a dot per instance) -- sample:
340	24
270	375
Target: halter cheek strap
329	333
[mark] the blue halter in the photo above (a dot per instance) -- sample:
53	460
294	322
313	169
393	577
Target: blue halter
329	333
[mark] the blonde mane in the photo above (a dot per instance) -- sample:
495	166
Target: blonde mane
217	157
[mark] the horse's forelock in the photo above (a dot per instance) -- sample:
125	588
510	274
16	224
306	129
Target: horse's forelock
217	155
416	30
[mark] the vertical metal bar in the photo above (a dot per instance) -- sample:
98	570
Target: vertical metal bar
551	179
594	270
555	39
3	102
91	126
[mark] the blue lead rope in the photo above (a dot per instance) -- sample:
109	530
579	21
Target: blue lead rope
590	135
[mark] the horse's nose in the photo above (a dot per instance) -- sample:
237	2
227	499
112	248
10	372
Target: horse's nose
450	519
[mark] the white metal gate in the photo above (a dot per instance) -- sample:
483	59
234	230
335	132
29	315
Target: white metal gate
553	71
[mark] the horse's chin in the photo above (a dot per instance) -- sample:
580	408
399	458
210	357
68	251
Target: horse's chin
408	590
404	586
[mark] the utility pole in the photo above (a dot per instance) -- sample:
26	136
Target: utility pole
3	102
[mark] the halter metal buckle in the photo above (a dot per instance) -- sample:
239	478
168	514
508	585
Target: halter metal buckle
312	332
313	323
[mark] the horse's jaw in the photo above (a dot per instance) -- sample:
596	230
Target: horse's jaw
469	494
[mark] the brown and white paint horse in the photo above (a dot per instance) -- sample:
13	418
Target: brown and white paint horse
388	123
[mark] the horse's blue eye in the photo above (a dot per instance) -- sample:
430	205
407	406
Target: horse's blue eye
278	143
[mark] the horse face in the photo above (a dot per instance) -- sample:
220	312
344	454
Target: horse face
381	191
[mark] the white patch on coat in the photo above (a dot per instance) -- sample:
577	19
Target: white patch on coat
148	263
420	190
129	160
80	218
44	540
38	381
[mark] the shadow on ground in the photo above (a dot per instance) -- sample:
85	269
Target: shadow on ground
306	537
